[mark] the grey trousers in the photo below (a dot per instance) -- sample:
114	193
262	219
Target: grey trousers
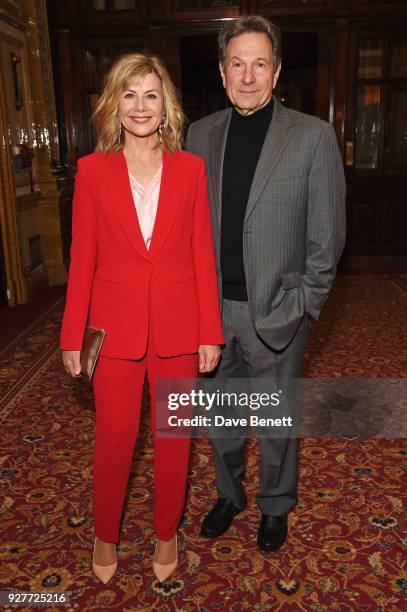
246	355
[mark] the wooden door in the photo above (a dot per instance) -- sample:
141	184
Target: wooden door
376	146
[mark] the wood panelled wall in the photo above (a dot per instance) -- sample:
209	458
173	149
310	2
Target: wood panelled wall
88	35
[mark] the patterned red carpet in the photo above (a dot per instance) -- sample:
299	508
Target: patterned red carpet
344	550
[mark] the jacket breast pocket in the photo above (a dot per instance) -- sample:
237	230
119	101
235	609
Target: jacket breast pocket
189	278
98	278
287	174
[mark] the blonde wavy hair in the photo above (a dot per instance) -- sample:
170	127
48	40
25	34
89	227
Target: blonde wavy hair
105	118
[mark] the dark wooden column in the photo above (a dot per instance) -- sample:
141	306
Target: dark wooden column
340	73
324	99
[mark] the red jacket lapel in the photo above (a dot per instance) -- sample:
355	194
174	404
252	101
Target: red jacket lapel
122	198
167	204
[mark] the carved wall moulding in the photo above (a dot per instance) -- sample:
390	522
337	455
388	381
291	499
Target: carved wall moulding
198	25
291	3
11	7
47	78
17	291
205	5
11	40
13	15
379	5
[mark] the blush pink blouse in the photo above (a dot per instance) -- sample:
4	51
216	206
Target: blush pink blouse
146	202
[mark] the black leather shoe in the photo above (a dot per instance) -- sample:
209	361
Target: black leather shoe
219	519
272	532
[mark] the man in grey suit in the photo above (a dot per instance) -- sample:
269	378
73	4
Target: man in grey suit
277	192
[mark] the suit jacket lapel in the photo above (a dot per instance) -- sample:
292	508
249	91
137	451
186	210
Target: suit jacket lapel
217	145
122	198
277	138
168	202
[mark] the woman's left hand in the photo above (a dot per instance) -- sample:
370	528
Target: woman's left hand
209	355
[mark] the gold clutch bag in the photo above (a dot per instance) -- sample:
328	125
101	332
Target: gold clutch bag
92	343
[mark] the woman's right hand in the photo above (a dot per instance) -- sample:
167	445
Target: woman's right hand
72	362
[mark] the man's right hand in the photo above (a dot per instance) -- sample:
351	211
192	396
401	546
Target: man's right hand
72	362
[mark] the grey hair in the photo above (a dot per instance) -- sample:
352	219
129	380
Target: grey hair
244	25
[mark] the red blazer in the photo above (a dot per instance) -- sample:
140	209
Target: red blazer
115	279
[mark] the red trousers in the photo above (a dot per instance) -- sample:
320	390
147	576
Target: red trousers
118	385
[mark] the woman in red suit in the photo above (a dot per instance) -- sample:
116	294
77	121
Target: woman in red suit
142	268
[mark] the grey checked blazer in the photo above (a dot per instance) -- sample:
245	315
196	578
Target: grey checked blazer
294	228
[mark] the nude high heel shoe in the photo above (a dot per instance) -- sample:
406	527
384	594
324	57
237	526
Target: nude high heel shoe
104	572
162	571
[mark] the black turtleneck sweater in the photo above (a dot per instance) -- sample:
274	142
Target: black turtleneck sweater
243	146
